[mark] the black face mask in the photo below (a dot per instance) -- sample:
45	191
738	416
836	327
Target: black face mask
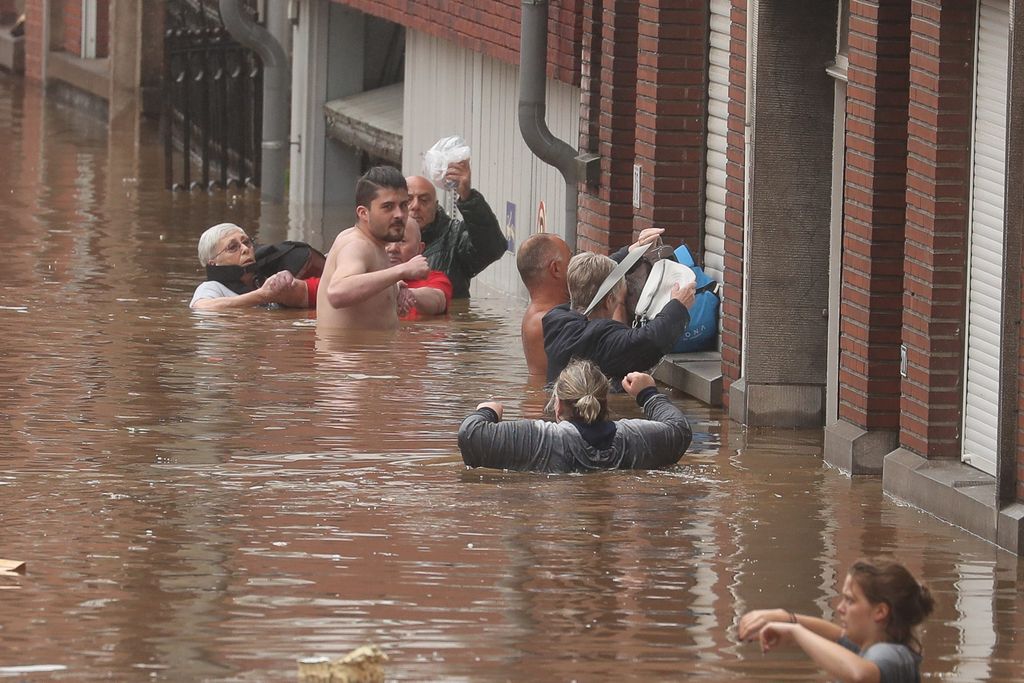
231	277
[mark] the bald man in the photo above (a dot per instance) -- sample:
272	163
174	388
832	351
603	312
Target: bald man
459	248
416	298
542	261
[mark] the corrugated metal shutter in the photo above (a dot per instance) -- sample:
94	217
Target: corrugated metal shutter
718	121
476	96
985	269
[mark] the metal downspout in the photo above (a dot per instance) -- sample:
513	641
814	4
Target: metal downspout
276	105
533	56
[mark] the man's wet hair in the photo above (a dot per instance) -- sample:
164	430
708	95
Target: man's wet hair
373	180
535	254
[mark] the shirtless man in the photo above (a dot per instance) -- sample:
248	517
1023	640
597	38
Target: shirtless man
542	260
360	286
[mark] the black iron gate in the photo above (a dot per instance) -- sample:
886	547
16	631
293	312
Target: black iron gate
213	101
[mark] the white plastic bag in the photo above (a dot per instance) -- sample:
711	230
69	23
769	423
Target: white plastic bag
445	151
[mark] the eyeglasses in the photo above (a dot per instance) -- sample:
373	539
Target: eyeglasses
234	246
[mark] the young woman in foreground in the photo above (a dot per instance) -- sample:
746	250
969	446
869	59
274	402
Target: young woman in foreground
880	607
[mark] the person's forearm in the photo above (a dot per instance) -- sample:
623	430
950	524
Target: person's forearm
223	303
825	629
345	291
295	295
835	659
429	301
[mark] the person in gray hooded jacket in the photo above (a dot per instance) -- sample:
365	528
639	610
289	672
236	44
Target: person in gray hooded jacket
582	439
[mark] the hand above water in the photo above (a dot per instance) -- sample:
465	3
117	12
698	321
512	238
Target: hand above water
274	285
415	268
493	405
753	621
406	299
776	633
635	382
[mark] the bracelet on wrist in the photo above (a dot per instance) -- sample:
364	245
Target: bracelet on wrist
792	616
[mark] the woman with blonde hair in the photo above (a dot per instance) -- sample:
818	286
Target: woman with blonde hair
582	438
879	609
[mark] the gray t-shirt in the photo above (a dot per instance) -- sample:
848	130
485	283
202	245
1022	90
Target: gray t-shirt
210	289
896	663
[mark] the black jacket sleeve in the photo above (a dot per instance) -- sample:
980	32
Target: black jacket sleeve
626	349
479	241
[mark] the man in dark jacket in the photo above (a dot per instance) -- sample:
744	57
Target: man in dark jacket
615	347
461	249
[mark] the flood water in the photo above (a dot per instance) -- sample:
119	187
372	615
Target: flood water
214	497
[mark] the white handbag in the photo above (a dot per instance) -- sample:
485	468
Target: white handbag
658	289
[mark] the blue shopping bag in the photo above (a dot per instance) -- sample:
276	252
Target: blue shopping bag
702	332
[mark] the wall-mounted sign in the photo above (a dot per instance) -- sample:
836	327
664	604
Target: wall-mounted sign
636	186
510	225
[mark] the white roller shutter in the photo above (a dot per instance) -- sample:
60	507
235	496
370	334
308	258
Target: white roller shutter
985	265
718	121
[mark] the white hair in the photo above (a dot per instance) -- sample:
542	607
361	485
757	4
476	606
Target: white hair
209	239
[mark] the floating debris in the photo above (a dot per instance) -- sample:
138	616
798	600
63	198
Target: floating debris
363	665
12	567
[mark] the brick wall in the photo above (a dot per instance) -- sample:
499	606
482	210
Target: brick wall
102	28
941	66
34	47
874	213
8	11
605	215
72	26
490	27
670	117
732	299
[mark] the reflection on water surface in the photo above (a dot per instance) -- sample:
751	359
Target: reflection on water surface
212	497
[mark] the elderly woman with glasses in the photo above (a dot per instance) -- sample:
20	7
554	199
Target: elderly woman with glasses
230	260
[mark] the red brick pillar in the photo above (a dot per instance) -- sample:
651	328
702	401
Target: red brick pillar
875	196
8	11
35	39
731	311
72	27
670	117
103	28
609	111
938	173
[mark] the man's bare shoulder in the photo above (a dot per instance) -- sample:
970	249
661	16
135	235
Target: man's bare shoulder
344	237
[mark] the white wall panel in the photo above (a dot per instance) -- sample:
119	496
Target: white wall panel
985	266
450	90
718	116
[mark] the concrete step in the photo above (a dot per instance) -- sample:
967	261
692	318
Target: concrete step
697	374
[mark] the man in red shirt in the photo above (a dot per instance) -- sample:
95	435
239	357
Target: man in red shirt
416	298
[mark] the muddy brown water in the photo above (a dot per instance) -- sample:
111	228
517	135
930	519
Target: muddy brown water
213	497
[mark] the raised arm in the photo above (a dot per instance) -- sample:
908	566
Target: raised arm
486	441
666	434
354	281
480	241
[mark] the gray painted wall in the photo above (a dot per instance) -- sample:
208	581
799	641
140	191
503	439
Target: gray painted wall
790	195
